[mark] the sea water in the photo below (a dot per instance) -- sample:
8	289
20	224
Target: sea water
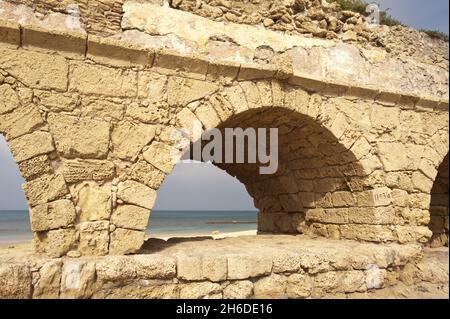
15	225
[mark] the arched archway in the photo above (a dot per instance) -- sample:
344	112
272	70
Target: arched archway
312	189
439	206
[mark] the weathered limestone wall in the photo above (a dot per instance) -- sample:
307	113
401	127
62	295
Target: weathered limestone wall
261	267
88	120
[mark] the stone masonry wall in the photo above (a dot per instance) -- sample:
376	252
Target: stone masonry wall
89	125
263	268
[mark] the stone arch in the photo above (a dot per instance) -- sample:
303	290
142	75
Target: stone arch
102	154
439	206
310	192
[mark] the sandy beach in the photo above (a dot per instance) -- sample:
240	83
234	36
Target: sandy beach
214	235
163	236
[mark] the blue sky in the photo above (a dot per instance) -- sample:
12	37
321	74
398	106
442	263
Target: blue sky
420	14
202	186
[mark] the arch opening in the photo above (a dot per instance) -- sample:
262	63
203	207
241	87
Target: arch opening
311	191
439	206
208	202
14	218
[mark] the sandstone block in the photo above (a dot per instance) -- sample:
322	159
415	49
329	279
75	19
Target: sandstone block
393	161
242	289
56	101
129	138
48	284
371	216
201	290
130	217
291	203
100	80
186	120
184	65
15	282
77	279
374	233
285	262
271	287
79	137
265	91
339	281
54	243
135	193
115	269
248	266
419	200
45	189
125	241
102	109
35	167
10	33
375	197
410	234
421	182
84	170
182	91
160	155
208	116
52	215
94	238
161	290
189	268
252	94
375	277
117	52
152	86
72	43
399	197
10	99
147	174
420	217
213	268
153	113
298	286
154	266
94	201
31	145
49	70
333	216
236	98
342	199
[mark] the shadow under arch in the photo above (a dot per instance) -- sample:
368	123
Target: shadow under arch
439	206
315	173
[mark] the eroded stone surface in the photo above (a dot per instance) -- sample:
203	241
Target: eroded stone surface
329	269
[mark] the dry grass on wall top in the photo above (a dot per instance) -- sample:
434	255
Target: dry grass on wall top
385	18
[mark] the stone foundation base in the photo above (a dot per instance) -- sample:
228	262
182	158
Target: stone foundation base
245	267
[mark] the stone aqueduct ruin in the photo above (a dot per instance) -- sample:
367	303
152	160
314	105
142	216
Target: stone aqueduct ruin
88	116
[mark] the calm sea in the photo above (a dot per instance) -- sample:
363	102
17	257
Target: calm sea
15	225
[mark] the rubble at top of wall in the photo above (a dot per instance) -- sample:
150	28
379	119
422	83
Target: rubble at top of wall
320	19
309	18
